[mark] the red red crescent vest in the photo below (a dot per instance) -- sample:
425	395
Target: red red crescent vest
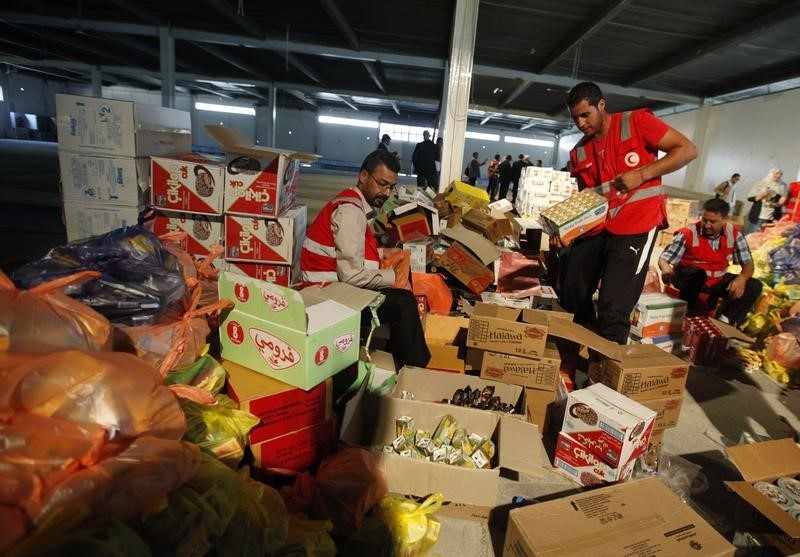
318	256
640	210
698	251
792	209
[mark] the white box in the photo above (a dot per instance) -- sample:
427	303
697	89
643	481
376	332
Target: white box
120	128
611	425
188	182
99	179
584	467
657	315
263	240
84	220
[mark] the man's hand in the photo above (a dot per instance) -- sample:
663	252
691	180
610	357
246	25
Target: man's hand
736	287
667	271
391	252
629	180
556	242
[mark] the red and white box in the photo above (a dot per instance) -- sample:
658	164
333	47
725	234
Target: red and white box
284	275
704	341
202	231
585	467
611	425
261	240
188	182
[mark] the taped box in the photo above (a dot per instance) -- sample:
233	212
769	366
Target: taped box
657	315
83	221
575	216
261	240
643	372
202	231
584	467
609	424
640	518
284	275
537	373
100	179
297	451
188	182
461	194
506	330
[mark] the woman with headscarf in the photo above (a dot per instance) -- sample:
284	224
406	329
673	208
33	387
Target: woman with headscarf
767	195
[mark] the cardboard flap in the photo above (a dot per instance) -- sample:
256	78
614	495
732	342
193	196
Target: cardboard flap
431	385
520	446
325	314
154	118
234	141
767	507
499	312
766	461
476	243
560	325
265	300
732	332
351	296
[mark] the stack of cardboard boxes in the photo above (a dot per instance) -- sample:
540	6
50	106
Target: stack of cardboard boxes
657	319
540	188
680	212
104	149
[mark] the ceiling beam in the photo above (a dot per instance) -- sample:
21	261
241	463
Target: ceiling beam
589	27
300	95
133	7
375	74
567	82
487	118
295	61
518	90
70	41
46	72
395	107
526	126
348	102
741	34
766	75
231	59
333	11
226	11
210	90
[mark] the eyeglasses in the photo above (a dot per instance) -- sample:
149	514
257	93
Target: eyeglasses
383	184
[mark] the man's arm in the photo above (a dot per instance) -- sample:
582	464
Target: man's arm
671	256
349	224
679	150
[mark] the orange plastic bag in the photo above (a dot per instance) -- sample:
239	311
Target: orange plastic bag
432	285
208	276
400	261
44	320
117	391
171	343
652	283
784	349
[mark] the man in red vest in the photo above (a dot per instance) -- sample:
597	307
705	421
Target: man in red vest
792	208
340	247
698	256
618	156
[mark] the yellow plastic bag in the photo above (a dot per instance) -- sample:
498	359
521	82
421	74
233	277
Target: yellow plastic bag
414	532
312	535
220	430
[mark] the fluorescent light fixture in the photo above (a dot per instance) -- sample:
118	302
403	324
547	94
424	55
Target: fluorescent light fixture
348	122
528	141
305	165
225	108
486	136
1	95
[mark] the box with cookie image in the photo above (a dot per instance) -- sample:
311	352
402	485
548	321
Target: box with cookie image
202	231
612	426
260	240
188	182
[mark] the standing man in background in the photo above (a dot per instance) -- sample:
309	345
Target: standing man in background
492	173
340	247
618	156
474	169
727	189
424	160
505	173
516	173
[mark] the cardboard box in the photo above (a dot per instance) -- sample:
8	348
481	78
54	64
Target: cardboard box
410	226
83	221
281	408
706	339
284	275
202	231
667	409
665	238
644	372
493	228
584	467
575	215
540	407
445	358
468	269
537	373
300	339
259	181
445	329
672	343
188	182
609	424
297	451
518	446
657	315
637	519
100	180
260	240
766	462
681	212
506	330
120	128
461	194
434	386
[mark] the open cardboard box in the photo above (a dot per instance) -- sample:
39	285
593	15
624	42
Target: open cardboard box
643	372
767	462
537	373
468	257
493	228
636	518
298	338
259	181
188	182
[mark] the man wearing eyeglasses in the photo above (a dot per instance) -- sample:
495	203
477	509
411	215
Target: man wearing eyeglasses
340	247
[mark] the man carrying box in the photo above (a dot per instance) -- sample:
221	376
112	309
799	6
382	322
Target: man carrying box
696	260
340	247
618	156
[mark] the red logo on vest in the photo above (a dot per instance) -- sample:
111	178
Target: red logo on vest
321	355
235	332
241	292
632	159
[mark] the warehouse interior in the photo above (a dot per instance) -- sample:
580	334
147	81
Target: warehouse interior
329	77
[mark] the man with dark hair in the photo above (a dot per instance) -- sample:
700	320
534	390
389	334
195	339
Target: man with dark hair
474	169
618	156
424	159
505	173
696	260
725	190
493	175
340	247
385	142
516	173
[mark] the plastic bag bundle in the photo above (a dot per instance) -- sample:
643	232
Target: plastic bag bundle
414	531
140	279
44	320
784	350
400	261
308	538
762	261
220	430
117	391
435	289
204	373
785	261
208	276
125	484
